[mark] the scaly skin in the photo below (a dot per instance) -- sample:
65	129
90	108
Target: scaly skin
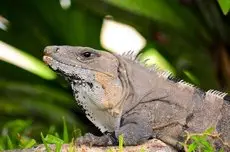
121	96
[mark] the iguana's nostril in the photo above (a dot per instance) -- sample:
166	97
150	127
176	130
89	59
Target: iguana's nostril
57	49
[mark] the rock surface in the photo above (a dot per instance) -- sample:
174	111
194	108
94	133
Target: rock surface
153	145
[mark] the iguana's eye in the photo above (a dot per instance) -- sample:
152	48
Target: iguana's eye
89	54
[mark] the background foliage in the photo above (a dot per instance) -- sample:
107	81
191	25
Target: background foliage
193	36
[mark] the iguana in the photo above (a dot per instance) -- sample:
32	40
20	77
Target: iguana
121	96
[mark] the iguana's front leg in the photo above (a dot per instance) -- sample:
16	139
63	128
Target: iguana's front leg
133	135
133	132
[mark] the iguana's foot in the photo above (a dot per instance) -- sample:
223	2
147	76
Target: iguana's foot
92	140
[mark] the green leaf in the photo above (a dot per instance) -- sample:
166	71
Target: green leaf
225	6
25	61
159	10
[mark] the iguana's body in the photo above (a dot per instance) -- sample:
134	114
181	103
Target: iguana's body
120	96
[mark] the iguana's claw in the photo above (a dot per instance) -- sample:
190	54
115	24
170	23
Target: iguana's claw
88	140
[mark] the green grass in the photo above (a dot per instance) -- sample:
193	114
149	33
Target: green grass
15	135
56	139
200	142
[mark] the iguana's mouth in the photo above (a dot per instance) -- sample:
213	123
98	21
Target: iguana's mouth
49	59
77	80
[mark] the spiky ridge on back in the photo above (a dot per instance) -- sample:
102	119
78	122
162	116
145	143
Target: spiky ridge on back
130	55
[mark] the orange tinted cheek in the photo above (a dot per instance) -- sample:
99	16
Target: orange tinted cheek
112	91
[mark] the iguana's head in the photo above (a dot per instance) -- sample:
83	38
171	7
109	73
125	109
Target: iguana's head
94	78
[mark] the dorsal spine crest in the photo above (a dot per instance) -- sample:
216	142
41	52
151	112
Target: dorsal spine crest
165	74
169	76
215	93
129	55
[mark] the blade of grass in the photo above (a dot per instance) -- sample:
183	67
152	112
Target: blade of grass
58	147
65	131
121	142
9	143
2	143
71	146
45	143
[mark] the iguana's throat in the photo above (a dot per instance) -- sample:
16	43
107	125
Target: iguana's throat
98	93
